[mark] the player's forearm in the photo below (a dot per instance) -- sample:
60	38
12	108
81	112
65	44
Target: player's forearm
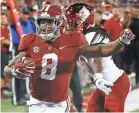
16	58
96	65
100	50
13	61
110	48
7	72
90	51
107	49
125	38
7	69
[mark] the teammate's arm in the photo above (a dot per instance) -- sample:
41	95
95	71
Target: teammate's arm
7	69
107	49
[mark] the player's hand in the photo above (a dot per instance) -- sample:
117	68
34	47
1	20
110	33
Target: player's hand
21	71
102	84
126	37
7	72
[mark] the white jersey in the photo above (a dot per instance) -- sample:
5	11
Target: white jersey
109	70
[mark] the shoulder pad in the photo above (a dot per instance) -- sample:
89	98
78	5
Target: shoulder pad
96	35
29	37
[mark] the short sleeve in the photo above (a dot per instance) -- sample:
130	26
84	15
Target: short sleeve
80	39
24	42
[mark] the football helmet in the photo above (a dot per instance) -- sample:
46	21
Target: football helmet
80	13
50	22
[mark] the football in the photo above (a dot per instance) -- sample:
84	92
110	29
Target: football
25	63
28	62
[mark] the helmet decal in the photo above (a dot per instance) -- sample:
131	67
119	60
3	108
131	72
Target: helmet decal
84	13
81	14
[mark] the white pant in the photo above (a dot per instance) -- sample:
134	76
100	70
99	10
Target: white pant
48	107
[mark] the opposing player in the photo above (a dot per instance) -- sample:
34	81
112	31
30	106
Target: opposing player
105	72
57	52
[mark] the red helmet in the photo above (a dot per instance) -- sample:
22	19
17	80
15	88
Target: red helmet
55	17
80	13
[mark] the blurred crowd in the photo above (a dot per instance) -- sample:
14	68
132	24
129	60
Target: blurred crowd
113	15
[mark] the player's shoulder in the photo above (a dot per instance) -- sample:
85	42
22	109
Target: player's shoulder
73	34
73	38
29	37
96	35
76	33
99	30
77	36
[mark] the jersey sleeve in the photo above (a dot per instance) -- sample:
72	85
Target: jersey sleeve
24	42
80	39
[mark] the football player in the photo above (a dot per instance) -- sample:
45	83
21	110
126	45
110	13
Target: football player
57	52
111	82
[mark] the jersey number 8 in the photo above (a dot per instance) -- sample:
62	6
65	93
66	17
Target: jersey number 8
49	66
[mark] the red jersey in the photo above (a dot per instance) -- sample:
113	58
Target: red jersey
114	27
51	82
